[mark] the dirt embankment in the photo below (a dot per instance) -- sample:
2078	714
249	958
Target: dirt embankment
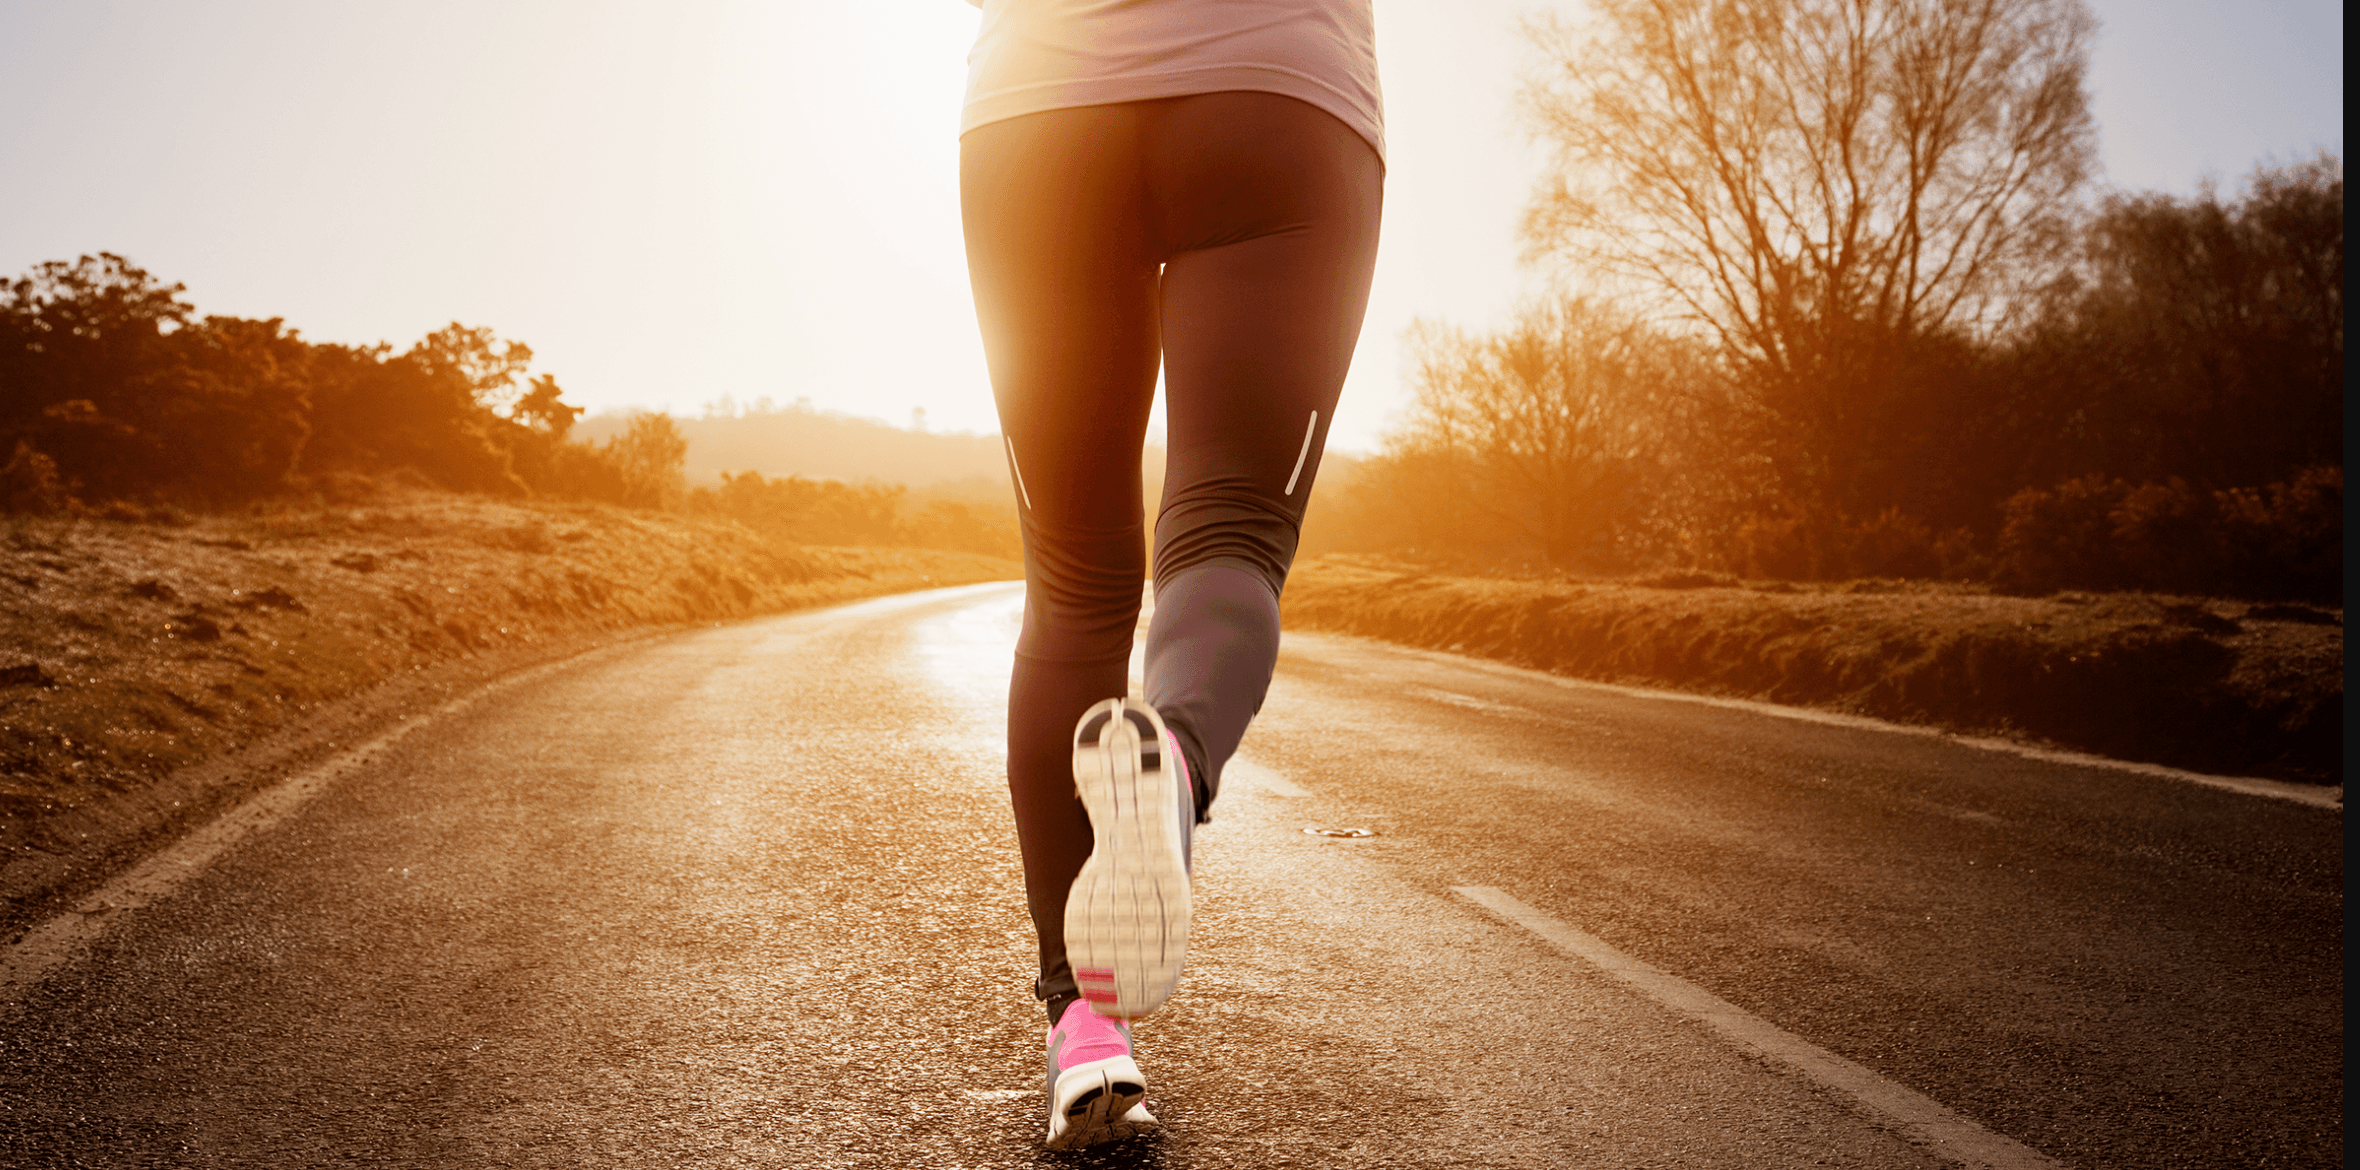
151	673
2194	683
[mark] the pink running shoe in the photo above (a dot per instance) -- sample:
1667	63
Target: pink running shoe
1094	1086
1126	918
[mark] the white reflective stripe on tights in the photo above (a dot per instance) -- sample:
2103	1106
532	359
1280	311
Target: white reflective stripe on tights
1020	473
1301	455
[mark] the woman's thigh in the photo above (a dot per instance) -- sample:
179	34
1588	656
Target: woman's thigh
1064	265
1231	235
1268	208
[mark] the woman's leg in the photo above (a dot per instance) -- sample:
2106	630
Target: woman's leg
1266	210
1269	207
1064	274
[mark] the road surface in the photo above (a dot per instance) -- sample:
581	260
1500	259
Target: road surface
748	896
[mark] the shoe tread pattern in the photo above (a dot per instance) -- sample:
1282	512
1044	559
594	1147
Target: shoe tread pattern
1126	920
1101	1101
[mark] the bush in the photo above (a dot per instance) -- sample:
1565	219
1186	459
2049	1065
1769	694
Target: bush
116	391
1782	544
2283	541
965	526
1790	543
2063	536
2286	541
109	375
30	483
828	512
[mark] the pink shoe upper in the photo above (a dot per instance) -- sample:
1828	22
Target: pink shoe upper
1088	1036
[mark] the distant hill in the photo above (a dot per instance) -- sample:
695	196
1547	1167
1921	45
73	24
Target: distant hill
814	445
854	450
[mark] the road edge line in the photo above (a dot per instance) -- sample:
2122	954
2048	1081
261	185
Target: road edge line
1939	1128
44	947
2328	797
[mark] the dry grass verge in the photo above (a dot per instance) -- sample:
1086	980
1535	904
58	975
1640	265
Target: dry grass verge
2194	683
137	657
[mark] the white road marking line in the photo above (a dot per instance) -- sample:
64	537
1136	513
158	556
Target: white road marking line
2329	797
1241	768
1472	703
42	948
1920	1117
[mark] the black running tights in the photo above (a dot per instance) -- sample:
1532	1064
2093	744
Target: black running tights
1230	237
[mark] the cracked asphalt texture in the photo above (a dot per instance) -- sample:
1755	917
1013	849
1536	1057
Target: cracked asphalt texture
749	896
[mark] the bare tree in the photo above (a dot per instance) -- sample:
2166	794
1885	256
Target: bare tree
650	455
1816	182
2202	337
1548	441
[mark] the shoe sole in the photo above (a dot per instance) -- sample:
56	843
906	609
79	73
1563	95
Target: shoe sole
1099	1101
1126	919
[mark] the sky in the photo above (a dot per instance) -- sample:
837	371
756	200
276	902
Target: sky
759	198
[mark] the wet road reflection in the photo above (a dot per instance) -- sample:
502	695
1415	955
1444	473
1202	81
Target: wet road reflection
966	651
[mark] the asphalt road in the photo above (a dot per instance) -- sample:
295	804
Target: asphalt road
749	896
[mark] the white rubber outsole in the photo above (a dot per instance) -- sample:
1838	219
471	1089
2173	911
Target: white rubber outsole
1126	920
1099	1101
